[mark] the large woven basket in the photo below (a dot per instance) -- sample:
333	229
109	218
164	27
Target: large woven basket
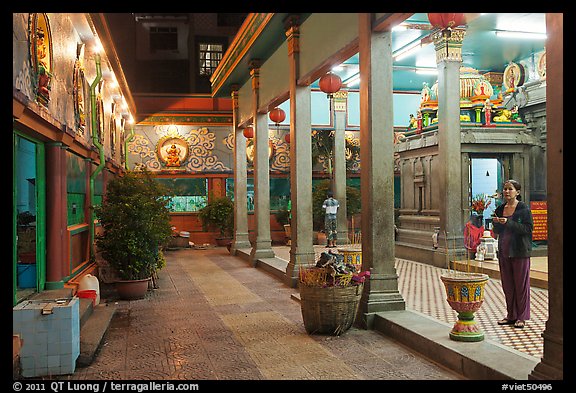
329	310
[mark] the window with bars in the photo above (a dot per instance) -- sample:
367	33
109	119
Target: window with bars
210	55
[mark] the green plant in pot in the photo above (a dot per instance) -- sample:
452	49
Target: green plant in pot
283	218
135	221
219	214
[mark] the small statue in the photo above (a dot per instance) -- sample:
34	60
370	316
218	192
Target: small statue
515	116
419	122
412	123
487	111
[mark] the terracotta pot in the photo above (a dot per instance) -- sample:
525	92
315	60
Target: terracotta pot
223	241
132	289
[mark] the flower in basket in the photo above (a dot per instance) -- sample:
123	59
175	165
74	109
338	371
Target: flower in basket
330	293
480	202
331	271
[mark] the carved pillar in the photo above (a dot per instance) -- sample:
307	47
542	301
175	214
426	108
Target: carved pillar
552	364
448	59
262	248
56	222
377	175
301	248
240	180
339	175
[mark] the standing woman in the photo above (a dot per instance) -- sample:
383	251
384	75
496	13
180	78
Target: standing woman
513	224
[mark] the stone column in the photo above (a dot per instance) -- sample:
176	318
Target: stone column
262	248
301	248
339	174
552	364
449	182
377	175
241	239
56	215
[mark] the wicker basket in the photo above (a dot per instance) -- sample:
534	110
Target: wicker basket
329	310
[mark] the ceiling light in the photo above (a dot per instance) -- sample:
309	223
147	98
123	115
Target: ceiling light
352	81
521	34
408	50
427	71
400	27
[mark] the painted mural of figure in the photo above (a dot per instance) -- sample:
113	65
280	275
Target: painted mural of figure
173	156
43	75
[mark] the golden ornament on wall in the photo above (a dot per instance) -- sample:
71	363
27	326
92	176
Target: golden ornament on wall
172	151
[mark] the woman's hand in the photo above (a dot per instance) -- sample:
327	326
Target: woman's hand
501	220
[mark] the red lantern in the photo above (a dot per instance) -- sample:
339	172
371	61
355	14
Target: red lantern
248	132
330	84
287	138
446	21
277	115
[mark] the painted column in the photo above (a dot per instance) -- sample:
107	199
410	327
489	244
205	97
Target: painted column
448	59
301	248
240	181
56	215
339	174
262	248
551	365
377	174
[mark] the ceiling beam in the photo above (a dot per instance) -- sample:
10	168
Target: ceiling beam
387	21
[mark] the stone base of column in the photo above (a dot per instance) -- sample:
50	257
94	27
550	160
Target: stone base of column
240	241
381	294
544	372
551	365
262	249
293	268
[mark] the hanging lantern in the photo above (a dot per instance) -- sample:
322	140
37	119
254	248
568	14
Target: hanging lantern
277	115
287	138
446	20
248	132
330	84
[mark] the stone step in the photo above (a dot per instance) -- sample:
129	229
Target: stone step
486	360
92	332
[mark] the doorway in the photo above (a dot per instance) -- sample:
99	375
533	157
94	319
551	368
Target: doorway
28	217
486	174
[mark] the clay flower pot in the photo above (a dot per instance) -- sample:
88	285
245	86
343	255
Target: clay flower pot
465	294
132	289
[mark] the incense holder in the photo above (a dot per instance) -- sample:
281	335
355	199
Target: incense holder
465	294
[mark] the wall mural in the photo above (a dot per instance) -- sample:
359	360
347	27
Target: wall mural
79	91
177	148
41	56
180	148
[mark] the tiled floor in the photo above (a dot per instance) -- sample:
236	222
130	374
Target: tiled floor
423	291
215	317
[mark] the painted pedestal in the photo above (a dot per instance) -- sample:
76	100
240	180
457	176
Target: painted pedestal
465	294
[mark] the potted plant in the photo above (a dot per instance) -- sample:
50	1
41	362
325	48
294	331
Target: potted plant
135	221
219	213
283	218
